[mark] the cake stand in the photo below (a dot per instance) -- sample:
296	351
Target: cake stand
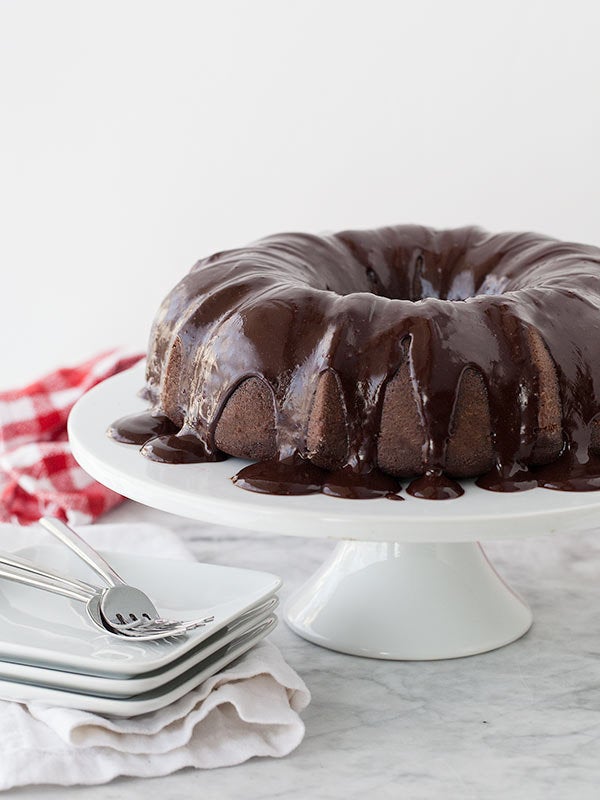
407	580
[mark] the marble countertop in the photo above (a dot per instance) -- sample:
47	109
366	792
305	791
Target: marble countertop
519	722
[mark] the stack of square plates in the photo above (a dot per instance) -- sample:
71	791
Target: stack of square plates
51	652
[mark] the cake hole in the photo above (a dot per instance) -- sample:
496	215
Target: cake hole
445	272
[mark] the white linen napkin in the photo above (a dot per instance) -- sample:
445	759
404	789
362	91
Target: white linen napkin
249	709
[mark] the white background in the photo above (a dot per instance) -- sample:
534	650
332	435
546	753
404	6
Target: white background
136	137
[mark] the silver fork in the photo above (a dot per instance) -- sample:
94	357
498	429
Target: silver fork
21	571
124	608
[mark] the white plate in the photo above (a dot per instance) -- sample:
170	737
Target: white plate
141	703
127	687
205	491
47	630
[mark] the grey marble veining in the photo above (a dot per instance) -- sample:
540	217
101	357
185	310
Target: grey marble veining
519	722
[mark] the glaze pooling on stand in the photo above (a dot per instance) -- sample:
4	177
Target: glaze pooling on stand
292	477
435	486
365	307
299	476
183	447
139	428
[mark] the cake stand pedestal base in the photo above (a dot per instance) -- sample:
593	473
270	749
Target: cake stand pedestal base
408	601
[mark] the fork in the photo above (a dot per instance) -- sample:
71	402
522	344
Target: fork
123	607
21	571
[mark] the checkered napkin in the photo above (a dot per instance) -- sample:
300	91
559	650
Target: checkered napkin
38	474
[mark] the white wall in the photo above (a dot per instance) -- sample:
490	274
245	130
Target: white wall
136	137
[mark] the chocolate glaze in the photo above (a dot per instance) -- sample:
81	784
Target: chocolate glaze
360	486
504	479
296	476
435	486
299	476
138	428
183	447
568	475
289	307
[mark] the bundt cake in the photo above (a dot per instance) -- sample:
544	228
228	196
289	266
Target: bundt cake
340	363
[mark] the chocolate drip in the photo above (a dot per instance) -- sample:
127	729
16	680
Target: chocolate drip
569	475
139	428
299	476
501	479
513	392
184	447
358	486
361	306
435	486
280	477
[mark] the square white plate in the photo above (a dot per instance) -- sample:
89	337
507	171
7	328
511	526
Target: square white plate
47	630
127	687
141	703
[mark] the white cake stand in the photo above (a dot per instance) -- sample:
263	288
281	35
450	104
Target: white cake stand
408	580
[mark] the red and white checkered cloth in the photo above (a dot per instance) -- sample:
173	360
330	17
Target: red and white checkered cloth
38	474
